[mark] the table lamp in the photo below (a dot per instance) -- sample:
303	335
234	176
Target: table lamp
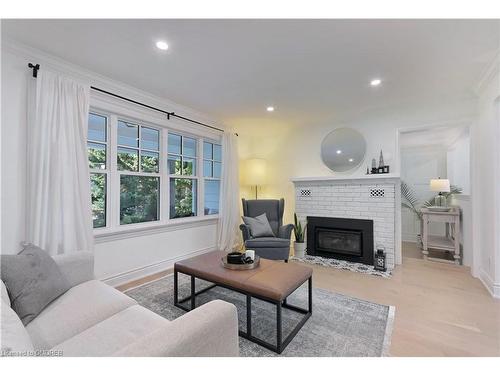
440	186
256	173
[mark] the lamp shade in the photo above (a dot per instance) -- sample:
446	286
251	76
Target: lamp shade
255	172
440	185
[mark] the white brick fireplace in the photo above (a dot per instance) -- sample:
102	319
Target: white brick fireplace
368	197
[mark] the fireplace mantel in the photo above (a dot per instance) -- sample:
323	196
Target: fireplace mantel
348	179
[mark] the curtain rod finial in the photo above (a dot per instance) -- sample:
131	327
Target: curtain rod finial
35	68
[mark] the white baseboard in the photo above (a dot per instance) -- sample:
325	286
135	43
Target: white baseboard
491	286
139	273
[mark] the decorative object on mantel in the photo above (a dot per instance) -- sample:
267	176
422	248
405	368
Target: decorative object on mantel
343	149
380	258
381	160
381	169
440	186
343	265
299	246
374	166
410	201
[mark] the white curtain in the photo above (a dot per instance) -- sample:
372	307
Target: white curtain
59	217
229	215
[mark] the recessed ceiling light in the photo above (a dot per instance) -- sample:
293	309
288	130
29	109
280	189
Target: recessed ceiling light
162	45
375	82
270	109
351	160
339	152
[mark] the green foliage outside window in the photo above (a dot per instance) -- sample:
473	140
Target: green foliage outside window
139	199
98	197
127	160
97	155
182	197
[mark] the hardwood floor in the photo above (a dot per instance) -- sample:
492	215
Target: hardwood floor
441	310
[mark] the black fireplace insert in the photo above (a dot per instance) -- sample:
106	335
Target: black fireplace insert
340	238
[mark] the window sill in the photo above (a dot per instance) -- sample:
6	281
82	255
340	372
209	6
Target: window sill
143	229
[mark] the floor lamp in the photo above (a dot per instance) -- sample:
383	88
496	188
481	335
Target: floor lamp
256	173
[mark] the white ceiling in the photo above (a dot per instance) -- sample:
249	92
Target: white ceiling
310	70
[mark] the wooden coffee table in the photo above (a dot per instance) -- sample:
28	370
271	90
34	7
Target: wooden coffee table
273	281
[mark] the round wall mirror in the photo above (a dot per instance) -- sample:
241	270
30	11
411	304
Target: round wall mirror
343	149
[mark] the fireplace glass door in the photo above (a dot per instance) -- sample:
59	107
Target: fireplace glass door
348	242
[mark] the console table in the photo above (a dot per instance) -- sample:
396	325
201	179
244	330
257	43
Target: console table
450	241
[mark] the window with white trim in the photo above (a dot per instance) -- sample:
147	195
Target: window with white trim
142	173
182	171
212	167
138	159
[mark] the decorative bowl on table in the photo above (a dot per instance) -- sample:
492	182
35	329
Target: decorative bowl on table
239	261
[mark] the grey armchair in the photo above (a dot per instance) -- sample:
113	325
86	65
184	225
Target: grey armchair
277	247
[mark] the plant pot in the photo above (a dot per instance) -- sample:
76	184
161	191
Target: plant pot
299	249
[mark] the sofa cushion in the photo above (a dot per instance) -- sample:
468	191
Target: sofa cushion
13	336
259	226
33	280
272	242
113	334
76	310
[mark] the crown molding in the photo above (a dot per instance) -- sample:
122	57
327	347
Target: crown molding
94	79
491	70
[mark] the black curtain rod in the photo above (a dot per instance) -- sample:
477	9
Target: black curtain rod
36	67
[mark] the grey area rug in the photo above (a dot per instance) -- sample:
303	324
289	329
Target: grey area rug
342	264
340	326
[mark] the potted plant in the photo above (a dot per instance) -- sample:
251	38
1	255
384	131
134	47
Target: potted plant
299	246
410	201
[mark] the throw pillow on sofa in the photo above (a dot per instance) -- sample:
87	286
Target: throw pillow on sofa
259	226
33	280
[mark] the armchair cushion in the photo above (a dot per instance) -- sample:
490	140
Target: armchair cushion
259	226
273	242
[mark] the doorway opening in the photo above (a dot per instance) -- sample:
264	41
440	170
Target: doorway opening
427	154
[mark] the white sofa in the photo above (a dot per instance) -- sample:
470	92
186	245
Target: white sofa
94	319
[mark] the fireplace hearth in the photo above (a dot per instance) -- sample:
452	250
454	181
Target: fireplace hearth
340	238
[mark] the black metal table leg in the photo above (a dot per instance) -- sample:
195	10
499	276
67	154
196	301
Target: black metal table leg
310	287
176	287
278	328
193	293
249	315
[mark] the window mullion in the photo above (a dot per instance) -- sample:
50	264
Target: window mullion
114	175
164	178
201	183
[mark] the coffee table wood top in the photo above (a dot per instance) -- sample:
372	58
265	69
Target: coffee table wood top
273	280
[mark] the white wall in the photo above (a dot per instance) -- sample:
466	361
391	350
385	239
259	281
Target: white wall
14	95
485	142
117	259
418	166
458	162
